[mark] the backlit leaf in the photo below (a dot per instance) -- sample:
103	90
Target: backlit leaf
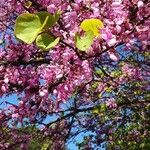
52	19
28	26
46	144
99	109
84	43
93	25
46	41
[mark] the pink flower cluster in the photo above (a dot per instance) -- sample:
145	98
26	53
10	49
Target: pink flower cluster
111	103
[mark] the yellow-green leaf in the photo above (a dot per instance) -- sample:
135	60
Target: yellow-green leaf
57	15
46	144
84	43
28	26
99	109
46	41
52	19
93	25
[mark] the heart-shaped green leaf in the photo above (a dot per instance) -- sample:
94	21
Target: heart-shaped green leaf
28	26
84	43
52	19
46	41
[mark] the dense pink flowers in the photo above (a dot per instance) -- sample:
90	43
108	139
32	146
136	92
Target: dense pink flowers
68	84
130	71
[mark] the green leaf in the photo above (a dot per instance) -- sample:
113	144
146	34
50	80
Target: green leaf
93	25
99	109
103	107
115	73
95	111
46	41
57	15
84	42
28	26
52	19
95	85
46	144
100	95
99	72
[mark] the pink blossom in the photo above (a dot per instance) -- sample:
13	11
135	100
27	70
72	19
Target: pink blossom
15	116
140	4
43	92
111	103
52	8
113	55
131	71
